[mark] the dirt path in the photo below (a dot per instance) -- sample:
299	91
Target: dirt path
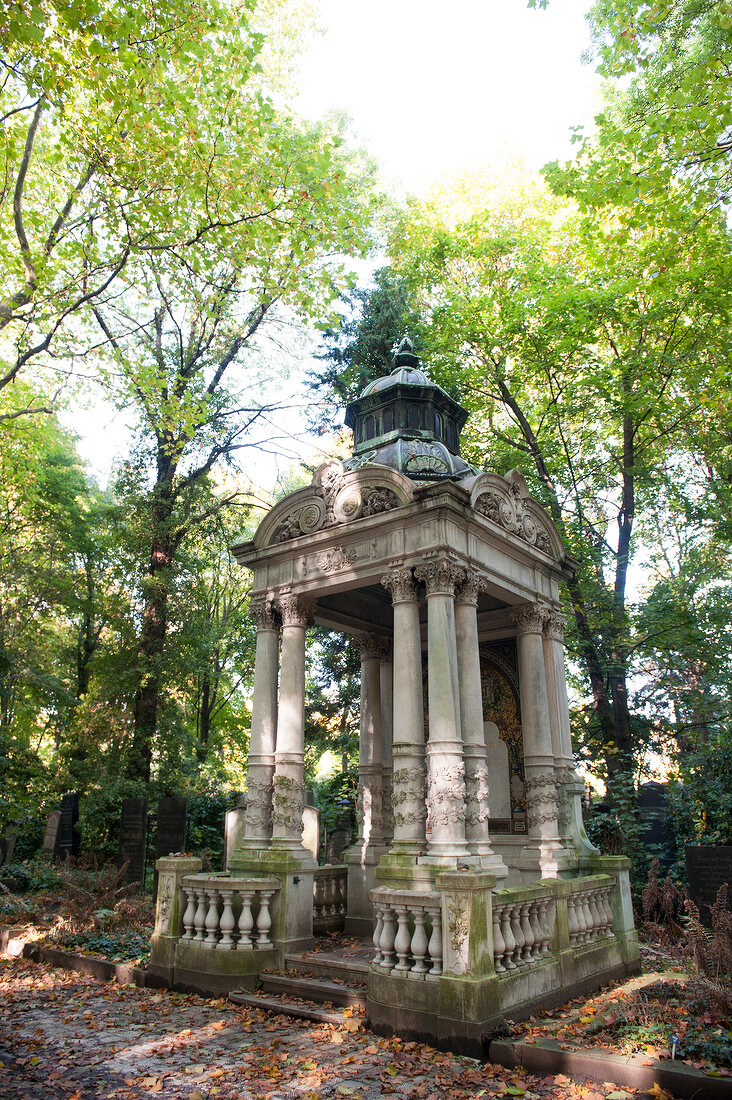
64	1036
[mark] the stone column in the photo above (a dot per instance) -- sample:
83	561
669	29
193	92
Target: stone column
408	755
477	779
387	726
289	788
569	786
370	795
544	850
261	764
446	771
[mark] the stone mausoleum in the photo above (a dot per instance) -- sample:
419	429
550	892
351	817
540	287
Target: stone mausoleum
471	873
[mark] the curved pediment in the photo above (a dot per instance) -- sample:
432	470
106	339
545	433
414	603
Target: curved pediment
506	502
336	496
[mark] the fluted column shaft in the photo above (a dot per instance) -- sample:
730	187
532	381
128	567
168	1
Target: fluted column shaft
261	761
369	754
477	779
541	796
408	755
289	787
446	771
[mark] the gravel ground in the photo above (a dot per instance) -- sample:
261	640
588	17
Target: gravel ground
65	1036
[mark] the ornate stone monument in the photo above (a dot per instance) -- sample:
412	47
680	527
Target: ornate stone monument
471	869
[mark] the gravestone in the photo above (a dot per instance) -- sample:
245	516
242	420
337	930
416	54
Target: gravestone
170	831
51	835
653	811
339	840
69	841
132	839
170	835
311	830
7	843
707	868
234	828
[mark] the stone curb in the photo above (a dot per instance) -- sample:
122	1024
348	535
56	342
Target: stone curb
545	1056
103	969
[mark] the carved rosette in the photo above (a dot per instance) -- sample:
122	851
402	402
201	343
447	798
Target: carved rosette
408	796
446	795
296	610
258	810
476	792
334	501
542	803
400	586
440	577
529	618
263	613
470	587
288	803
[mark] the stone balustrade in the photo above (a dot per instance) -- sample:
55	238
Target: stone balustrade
225	913
408	934
589	915
522	930
329	898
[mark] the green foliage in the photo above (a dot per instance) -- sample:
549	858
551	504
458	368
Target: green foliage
34	875
701	796
117	946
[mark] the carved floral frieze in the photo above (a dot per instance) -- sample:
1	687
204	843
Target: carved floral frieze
507	506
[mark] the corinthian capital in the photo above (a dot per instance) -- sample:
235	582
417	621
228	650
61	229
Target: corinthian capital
554	624
529	618
400	585
296	610
371	646
440	577
263	614
470	587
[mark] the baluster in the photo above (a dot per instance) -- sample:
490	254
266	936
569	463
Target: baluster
527	955
402	940
535	929
190	913
587	915
342	894
246	921
227	923
264	919
597	918
212	918
330	896
499	944
572	921
434	949
387	938
579	909
419	943
508	938
317	896
199	918
517	934
608	930
377	933
546	927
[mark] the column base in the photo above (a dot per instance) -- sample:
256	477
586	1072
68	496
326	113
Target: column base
548	859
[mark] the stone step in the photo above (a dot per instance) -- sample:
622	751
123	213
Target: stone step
296	1010
318	990
326	966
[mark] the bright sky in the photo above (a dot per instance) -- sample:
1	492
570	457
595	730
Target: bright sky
433	89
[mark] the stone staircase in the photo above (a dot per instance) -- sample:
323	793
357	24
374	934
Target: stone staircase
327	984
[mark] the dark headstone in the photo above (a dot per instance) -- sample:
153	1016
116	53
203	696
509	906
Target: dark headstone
132	838
338	841
707	868
653	811
51	835
170	835
7	844
69	841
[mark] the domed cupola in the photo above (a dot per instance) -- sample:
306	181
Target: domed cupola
409	423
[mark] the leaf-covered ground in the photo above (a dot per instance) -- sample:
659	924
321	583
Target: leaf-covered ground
65	1036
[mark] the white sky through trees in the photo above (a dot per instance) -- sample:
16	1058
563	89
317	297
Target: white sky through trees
433	88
